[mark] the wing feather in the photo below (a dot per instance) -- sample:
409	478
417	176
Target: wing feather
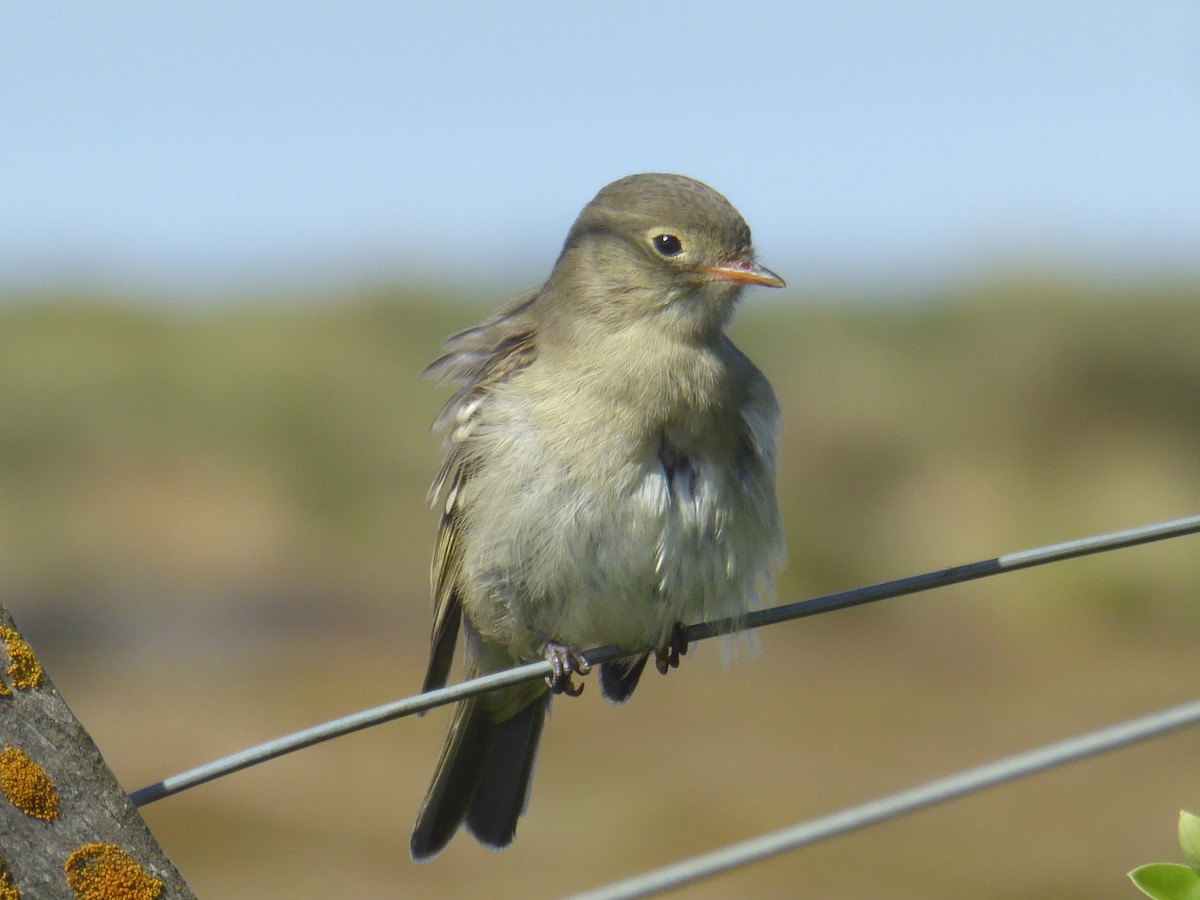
477	359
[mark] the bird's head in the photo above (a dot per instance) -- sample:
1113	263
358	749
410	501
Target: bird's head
662	246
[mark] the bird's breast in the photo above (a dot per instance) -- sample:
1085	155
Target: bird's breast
604	510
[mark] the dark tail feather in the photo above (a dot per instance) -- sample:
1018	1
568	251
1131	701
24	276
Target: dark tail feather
460	769
504	792
618	679
482	777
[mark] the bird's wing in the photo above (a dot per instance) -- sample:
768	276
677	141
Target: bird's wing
477	359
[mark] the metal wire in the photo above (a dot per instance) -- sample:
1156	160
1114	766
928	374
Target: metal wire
827	603
882	809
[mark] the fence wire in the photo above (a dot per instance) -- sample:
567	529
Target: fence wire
787	612
884	808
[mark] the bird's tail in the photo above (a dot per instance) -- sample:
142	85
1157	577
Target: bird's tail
482	777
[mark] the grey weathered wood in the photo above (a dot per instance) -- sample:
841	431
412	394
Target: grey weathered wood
91	806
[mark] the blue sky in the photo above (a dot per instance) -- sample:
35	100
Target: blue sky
296	143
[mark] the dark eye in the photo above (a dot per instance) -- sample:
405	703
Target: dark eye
667	244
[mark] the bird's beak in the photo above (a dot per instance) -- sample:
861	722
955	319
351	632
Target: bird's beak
744	271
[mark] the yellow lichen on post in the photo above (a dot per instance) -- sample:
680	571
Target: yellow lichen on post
26	785
7	891
106	872
24	670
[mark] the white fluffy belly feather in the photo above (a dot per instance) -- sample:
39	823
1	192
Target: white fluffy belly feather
617	560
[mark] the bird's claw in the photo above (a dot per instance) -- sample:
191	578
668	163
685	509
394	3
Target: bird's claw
667	657
565	662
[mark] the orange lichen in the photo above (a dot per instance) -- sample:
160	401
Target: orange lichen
26	786
7	891
106	872
24	670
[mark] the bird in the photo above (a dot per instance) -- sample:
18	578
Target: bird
609	474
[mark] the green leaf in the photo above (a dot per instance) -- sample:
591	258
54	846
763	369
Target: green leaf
1189	838
1167	881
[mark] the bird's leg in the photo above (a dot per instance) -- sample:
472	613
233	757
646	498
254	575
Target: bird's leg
564	661
667	656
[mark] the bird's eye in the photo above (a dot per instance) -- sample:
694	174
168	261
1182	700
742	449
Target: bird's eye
667	244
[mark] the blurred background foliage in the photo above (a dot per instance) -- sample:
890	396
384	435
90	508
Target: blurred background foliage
213	529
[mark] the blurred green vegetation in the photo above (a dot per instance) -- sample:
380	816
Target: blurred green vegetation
213	527
263	449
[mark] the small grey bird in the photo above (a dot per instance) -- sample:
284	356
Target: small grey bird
609	475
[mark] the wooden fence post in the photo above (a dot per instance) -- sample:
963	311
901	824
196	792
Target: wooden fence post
67	829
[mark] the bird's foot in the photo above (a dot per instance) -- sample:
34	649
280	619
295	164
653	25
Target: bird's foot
565	662
667	657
